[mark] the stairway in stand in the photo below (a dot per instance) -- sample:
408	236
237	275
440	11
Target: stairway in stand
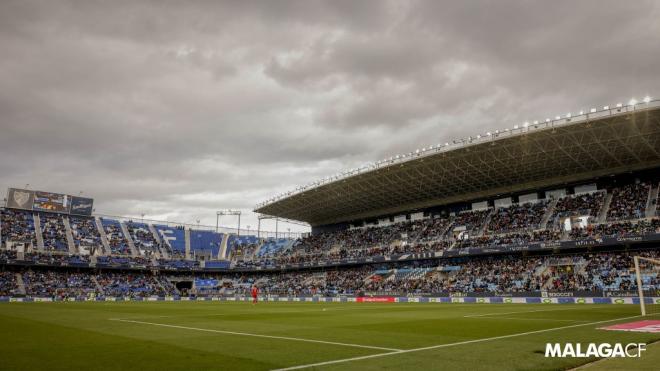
104	237
602	217
37	232
127	235
548	213
69	235
222	254
162	251
186	233
20	283
651	206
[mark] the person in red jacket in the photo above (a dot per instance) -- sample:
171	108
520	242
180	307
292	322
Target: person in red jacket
255	292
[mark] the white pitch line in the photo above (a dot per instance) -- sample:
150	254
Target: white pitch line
538	319
256	335
527	311
445	345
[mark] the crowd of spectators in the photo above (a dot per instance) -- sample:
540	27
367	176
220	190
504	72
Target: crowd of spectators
495	274
382	237
7	255
143	239
510	239
53	232
243	251
518	224
86	236
64	285
473	221
499	274
17	227
116	240
58	284
604	271
433	229
629	202
8	286
565	278
507	274
407	237
617	229
589	204
518	217
133	285
343	253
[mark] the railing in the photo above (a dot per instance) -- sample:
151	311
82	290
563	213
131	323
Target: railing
202	227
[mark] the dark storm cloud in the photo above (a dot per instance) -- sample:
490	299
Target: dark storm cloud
176	109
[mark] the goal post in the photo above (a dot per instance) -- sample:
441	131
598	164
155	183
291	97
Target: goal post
647	277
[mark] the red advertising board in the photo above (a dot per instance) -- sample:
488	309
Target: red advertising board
381	299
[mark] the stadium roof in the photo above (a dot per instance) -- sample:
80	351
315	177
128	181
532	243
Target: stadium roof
567	149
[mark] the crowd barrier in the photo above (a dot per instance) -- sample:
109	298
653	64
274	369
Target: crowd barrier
366	299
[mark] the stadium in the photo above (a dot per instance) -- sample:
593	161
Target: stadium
527	232
140	145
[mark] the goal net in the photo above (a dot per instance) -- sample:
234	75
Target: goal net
647	275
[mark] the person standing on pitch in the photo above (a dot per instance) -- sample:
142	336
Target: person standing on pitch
255	292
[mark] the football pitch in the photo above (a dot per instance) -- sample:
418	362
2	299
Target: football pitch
324	336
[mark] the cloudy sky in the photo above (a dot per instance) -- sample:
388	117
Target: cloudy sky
176	109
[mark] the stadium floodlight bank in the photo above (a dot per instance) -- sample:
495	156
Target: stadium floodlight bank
647	273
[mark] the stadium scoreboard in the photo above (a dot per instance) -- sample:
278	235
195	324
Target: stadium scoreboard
26	199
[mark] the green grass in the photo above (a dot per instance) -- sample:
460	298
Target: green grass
67	335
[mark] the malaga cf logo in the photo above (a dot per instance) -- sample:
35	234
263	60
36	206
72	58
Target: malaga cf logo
21	198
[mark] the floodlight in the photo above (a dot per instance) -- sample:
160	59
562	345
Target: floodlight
619	105
515	126
557	117
581	112
647	99
606	107
593	110
632	102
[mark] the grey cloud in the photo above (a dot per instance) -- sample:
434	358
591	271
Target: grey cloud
176	109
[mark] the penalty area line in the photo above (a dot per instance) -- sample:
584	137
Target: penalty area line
447	345
256	335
